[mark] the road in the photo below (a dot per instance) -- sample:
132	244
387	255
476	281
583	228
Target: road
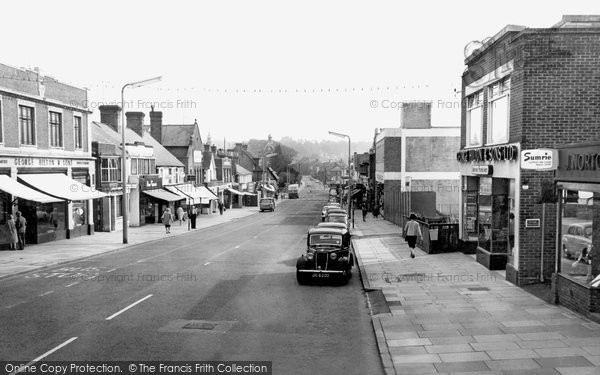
233	286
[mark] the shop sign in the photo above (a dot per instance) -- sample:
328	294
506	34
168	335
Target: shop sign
150	182
539	159
495	153
482	169
579	163
378	177
42	162
251	186
532	223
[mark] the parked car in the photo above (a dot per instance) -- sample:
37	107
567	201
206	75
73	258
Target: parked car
577	239
326	209
267	204
341	226
328	256
337	218
337	211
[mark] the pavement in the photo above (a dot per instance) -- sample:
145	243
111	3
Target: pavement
447	314
64	251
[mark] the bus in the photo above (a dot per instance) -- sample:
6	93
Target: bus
293	191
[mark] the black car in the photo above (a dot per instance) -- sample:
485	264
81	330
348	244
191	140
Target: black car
328	256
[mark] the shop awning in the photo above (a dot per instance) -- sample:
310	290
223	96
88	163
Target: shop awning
250	194
16	189
198	194
61	186
164	195
272	172
269	188
237	192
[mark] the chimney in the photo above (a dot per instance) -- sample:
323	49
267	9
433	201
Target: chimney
416	115
206	147
245	147
111	116
135	122
156	125
213	148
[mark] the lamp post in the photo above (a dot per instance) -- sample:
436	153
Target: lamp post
125	204
349	174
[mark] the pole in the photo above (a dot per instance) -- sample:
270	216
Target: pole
125	204
543	230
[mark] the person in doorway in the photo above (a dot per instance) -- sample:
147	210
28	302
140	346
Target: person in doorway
167	220
221	207
13	237
412	231
21	225
365	211
193	216
180	214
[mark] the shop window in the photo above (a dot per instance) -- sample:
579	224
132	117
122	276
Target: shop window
578	259
119	205
134	166
50	217
5	207
494	215
474	119
79	208
498	111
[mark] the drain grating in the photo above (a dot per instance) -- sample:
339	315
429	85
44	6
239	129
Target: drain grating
198	326
478	289
377	302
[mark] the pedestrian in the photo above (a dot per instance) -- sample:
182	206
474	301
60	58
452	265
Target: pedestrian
13	238
180	214
412	230
221	207
21	225
193	216
365	211
167	220
276	196
376	211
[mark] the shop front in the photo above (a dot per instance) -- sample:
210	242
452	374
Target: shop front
490	205
577	277
197	196
150	208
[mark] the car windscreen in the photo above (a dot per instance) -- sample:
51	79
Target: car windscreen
325	239
336	219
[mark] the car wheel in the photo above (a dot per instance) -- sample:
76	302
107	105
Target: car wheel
302	278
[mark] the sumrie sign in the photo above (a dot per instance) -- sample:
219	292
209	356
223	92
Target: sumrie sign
541	159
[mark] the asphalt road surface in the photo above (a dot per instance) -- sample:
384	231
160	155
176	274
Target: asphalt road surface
226	293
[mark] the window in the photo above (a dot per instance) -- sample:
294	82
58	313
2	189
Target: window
119	206
55	129
79	213
474	119
77	132
498	110
111	170
1	128
134	166
27	125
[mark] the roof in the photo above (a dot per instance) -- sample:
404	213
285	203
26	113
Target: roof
241	170
163	157
177	135
324	230
103	133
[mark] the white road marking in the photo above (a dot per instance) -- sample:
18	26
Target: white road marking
207	263
23	368
70	285
237	247
15	304
114	269
45	294
128	307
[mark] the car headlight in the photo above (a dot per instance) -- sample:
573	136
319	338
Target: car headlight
333	256
310	256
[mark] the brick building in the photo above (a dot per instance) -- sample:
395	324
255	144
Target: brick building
523	89
415	169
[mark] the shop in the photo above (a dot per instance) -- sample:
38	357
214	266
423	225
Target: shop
197	196
577	178
490	204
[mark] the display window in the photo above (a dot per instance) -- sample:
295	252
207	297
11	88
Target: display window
79	213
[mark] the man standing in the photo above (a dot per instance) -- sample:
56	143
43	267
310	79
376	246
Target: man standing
221	207
193	216
365	211
21	225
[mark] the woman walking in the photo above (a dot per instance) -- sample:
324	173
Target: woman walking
167	220
412	230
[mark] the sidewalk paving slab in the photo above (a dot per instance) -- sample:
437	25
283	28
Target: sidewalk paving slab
449	314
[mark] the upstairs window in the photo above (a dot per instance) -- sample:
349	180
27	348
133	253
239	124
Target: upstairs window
27	125
498	111
55	119
474	119
77	132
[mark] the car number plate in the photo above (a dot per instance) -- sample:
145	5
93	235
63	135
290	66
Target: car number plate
325	275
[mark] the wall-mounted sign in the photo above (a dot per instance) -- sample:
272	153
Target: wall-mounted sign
42	162
532	223
482	169
494	153
579	163
541	159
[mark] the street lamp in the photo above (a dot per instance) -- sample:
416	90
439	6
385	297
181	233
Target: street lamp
349	175
125	204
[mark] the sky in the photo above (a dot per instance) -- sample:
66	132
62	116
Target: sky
247	69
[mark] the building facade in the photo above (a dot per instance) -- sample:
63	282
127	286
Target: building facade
46	163
523	90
